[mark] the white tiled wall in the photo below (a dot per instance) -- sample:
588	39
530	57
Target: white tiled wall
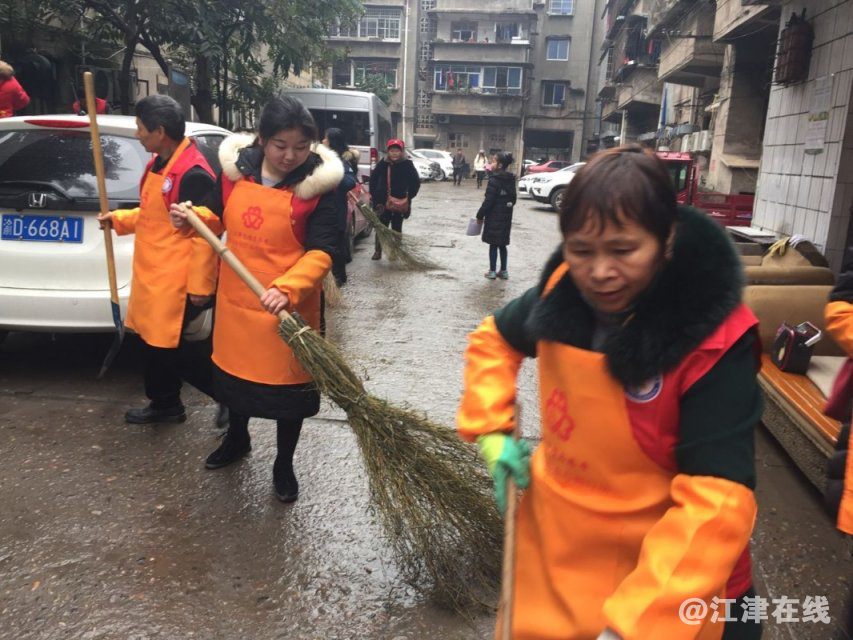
802	193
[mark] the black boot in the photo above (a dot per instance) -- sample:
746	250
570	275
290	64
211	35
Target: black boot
235	445
283	477
284	481
152	414
222	417
377	254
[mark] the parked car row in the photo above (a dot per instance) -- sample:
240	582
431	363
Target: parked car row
548	187
53	274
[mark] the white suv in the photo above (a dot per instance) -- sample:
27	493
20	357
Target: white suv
443	158
549	187
53	270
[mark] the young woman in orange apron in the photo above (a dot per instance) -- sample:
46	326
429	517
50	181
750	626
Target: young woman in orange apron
276	201
640	495
839	485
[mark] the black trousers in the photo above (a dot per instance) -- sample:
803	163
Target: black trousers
480	176
339	260
165	370
458	174
394	220
287	436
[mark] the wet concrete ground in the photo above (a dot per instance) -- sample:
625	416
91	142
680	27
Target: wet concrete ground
110	530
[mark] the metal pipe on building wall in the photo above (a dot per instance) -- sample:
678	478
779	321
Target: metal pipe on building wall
406	138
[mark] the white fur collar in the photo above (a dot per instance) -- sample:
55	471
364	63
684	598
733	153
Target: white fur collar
325	177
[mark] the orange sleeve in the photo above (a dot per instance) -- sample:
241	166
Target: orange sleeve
839	324
213	221
305	276
689	553
491	369
124	221
203	268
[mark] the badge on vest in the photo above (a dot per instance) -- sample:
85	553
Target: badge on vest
167	184
647	391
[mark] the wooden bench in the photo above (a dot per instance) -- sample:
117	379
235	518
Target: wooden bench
793	413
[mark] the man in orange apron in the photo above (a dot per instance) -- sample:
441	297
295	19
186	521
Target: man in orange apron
839	486
174	277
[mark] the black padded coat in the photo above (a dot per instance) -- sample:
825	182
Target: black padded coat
497	208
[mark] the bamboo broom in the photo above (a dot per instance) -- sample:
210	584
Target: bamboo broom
431	492
399	248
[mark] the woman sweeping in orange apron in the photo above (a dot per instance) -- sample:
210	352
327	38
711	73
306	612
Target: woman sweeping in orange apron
839	485
276	201
640	495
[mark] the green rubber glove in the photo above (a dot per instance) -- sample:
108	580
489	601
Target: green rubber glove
504	456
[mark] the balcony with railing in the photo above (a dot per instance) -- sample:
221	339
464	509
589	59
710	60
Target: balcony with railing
476	103
632	50
493	6
735	19
481	52
689	55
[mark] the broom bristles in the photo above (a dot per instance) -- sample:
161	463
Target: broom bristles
432	494
403	250
332	291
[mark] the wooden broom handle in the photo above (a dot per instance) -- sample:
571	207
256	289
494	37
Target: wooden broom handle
508	574
225	253
91	107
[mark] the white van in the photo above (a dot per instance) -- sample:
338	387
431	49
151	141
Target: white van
363	117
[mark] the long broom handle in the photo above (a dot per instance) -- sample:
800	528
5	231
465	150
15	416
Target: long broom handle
225	253
91	107
508	573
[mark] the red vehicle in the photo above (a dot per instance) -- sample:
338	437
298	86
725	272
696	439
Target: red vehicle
357	224
547	167
729	209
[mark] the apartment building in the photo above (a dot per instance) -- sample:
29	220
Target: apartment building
509	75
759	92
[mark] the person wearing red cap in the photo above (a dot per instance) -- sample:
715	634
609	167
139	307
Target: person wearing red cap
394	183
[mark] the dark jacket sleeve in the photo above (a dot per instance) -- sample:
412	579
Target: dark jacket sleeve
492	190
196	184
511	321
348	181
378	188
322	230
213	199
414	180
719	414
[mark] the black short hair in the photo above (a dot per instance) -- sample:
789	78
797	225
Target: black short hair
286	112
626	181
337	143
162	111
504	159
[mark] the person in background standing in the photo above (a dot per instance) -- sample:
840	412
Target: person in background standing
389	201
496	210
459	163
335	141
480	167
12	95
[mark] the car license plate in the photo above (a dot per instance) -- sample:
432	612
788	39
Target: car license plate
42	228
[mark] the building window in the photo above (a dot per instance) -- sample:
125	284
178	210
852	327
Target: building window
562	7
457	140
507	31
361	69
502	80
377	22
456	77
553	94
463	32
497	139
558	49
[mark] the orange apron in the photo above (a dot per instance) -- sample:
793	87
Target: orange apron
845	512
593	497
260	233
161	265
